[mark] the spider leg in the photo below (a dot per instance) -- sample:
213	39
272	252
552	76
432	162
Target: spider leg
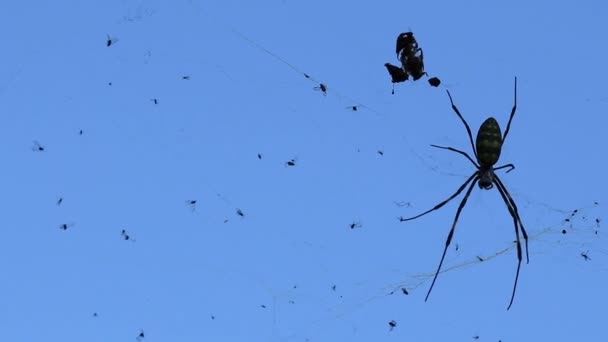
458	151
512	113
466	125
512	203
510	166
515	217
476	174
451	233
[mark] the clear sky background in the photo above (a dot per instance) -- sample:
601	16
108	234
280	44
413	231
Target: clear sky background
205	273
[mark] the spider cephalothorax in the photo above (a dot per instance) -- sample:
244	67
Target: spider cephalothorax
487	150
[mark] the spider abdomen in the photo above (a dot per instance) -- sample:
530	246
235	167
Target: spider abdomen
489	142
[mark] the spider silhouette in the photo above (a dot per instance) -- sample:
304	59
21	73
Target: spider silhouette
487	151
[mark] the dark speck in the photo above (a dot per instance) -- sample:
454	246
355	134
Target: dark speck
434	81
392	324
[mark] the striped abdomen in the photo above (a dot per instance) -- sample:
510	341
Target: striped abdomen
489	143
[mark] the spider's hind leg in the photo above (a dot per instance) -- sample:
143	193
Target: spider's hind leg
517	224
451	233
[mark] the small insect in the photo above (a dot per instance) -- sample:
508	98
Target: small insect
240	212
402	204
585	256
392	324
291	162
434	81
479	258
259	156
36	147
563	231
597	222
263	306
110	40
187	78
333	288
126	235
322	88
155	101
355	225
380	152
80	132
191	204
353	108
60	200
141	335
404	290
65	226
476	337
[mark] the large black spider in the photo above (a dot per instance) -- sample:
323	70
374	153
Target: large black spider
487	150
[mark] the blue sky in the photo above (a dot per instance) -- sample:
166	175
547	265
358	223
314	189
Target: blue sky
202	272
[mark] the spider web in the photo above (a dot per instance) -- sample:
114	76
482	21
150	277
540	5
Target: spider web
583	234
324	305
323	311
